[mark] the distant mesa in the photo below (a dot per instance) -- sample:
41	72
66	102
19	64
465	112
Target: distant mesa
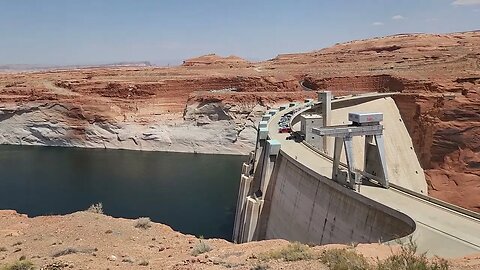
213	59
26	67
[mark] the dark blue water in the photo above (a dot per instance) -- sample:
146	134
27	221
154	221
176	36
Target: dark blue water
193	193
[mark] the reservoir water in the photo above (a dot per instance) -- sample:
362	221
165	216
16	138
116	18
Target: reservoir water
192	193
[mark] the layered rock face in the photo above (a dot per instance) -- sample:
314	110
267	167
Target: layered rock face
211	103
159	109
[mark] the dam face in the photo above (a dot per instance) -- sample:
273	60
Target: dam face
192	193
309	208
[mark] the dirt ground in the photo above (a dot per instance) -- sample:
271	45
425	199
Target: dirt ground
86	240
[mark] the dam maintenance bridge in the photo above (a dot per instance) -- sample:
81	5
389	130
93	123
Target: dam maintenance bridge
337	181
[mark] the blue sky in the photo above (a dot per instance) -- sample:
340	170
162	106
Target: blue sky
63	32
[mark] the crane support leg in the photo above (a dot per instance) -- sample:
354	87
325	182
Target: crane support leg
383	160
350	161
337	153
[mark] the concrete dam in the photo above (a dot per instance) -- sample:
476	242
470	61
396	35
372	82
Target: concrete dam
340	181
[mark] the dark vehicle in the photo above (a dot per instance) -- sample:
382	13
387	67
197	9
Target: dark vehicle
296	136
284	130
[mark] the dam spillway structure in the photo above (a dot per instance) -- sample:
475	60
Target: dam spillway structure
304	190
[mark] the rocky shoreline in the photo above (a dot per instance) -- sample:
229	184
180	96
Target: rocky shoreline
42	125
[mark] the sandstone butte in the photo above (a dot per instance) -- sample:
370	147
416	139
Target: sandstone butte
218	101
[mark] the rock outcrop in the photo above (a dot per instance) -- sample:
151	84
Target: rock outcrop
213	59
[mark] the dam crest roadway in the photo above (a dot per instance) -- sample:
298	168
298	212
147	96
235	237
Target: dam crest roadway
288	189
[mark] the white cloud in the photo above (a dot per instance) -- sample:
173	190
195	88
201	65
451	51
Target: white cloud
466	2
398	17
377	23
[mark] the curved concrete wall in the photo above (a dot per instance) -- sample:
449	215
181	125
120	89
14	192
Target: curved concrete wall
307	207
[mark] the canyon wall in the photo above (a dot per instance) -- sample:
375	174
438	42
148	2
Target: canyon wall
88	108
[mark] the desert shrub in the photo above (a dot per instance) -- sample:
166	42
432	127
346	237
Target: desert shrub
20	265
260	267
290	253
143	263
344	259
128	260
200	247
408	259
56	266
143	223
96	208
72	250
3	249
63	252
